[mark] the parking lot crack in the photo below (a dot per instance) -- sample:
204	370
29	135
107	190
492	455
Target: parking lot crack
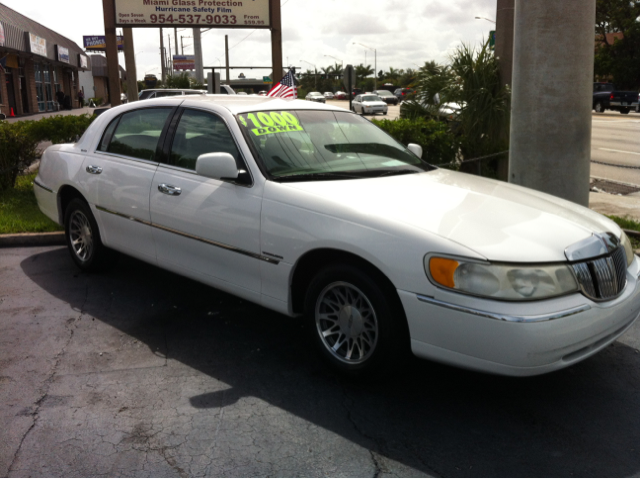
46	385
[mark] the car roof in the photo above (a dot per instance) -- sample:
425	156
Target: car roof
244	104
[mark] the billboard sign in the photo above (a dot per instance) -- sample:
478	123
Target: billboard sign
63	54
37	45
98	43
184	62
193	13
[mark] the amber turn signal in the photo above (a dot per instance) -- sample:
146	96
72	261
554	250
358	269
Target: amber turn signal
442	271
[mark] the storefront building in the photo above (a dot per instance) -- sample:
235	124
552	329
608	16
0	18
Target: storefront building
40	67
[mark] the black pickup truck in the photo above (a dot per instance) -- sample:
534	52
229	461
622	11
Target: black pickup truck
606	97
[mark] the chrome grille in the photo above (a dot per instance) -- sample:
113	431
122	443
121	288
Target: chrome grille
603	278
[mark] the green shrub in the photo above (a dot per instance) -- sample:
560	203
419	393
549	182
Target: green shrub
18	149
439	145
19	141
61	129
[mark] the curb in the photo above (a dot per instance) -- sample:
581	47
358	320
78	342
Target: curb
55	238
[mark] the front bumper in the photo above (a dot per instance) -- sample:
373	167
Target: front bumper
518	339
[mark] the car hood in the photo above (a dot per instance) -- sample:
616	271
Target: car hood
374	103
499	221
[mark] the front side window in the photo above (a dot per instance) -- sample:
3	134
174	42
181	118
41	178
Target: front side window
137	133
303	144
200	132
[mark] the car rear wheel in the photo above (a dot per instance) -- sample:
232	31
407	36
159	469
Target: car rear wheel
625	111
83	238
357	325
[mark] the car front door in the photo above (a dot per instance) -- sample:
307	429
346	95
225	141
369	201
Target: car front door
118	176
206	228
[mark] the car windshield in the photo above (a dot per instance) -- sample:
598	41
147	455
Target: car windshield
315	93
371	98
299	145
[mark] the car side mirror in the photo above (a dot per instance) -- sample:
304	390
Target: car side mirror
219	166
415	149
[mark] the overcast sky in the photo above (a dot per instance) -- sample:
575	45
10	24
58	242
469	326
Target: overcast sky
405	33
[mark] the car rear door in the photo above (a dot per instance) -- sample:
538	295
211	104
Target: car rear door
119	175
205	228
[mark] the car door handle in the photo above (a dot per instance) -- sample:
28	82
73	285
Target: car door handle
169	190
94	170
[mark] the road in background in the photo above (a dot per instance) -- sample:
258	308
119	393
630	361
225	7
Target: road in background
616	141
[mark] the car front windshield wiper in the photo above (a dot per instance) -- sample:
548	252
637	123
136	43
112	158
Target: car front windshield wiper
324	176
396	172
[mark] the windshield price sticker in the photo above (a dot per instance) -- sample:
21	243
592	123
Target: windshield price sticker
223	13
267	123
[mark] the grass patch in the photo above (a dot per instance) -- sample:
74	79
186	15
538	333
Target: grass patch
628	224
19	212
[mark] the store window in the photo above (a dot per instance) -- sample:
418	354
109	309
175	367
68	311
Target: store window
39	87
46	77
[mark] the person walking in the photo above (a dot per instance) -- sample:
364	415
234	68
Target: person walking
81	98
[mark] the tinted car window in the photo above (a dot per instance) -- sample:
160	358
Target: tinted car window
199	132
138	132
108	133
160	94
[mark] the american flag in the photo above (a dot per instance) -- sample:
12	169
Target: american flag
286	88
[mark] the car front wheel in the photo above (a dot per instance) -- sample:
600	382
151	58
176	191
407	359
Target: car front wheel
599	108
357	325
83	238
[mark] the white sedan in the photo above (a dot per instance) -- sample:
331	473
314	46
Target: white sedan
314	212
369	105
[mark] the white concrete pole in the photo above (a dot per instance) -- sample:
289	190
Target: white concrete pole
197	47
552	95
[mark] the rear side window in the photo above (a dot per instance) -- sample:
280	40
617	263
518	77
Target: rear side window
137	133
200	132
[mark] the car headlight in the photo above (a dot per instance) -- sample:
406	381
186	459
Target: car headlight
626	242
511	282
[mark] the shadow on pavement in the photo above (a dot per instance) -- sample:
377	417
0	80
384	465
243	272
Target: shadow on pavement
582	421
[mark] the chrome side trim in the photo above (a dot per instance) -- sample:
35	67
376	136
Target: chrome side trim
504	317
260	257
42	186
132	218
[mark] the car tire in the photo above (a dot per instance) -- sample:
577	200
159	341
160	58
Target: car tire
357	324
598	107
83	238
625	111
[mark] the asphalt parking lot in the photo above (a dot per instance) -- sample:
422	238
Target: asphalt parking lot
139	372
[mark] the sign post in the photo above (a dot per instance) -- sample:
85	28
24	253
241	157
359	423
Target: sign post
112	52
349	81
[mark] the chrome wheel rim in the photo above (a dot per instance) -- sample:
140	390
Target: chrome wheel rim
81	236
346	323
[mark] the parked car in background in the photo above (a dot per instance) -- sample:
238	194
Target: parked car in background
123	98
317	214
607	97
262	93
369	105
315	96
340	95
164	92
328	95
403	94
387	97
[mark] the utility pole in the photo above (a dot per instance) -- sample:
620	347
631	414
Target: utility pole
505	15
130	62
276	41
170	58
182	44
197	50
550	147
113	69
226	56
162	58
